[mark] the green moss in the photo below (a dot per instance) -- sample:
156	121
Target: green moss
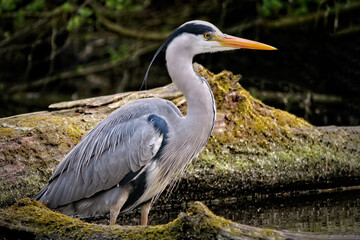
6	132
42	221
36	218
247	119
29	215
56	124
283	166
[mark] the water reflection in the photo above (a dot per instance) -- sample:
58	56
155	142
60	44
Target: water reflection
328	213
321	213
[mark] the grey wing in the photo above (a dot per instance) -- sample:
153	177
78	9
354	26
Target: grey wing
107	156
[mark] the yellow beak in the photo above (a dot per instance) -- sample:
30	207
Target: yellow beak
230	41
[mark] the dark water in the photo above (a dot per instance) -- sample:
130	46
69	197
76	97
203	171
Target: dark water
335	213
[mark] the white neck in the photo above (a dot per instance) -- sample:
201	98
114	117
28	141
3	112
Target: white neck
198	95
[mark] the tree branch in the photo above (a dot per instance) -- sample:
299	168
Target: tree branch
91	68
131	33
23	31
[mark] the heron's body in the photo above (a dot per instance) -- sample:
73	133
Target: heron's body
130	157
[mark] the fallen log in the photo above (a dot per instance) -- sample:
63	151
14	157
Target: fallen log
254	147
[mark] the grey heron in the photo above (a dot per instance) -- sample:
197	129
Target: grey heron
130	157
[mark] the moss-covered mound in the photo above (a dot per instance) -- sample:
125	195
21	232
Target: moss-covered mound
28	219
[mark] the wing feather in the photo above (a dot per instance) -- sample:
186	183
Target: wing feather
121	144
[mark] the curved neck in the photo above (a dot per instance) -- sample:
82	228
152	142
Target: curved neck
196	90
193	131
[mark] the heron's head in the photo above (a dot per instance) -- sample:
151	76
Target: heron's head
203	37
197	37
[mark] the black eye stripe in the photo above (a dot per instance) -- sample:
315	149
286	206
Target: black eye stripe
193	28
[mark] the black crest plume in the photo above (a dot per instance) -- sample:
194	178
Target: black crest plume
193	28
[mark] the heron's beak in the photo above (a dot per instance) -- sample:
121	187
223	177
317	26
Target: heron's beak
235	42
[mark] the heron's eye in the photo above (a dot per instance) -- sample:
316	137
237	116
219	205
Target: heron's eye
207	35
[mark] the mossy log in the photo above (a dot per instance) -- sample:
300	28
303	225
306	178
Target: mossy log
28	219
254	147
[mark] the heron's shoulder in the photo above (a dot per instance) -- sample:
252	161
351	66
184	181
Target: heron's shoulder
145	107
149	102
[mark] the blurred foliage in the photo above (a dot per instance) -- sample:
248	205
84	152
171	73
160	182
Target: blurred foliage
294	8
8	5
19	20
85	12
20	5
83	15
121	5
118	54
36	6
270	6
81	12
67	6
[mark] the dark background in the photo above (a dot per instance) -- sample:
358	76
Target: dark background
53	51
